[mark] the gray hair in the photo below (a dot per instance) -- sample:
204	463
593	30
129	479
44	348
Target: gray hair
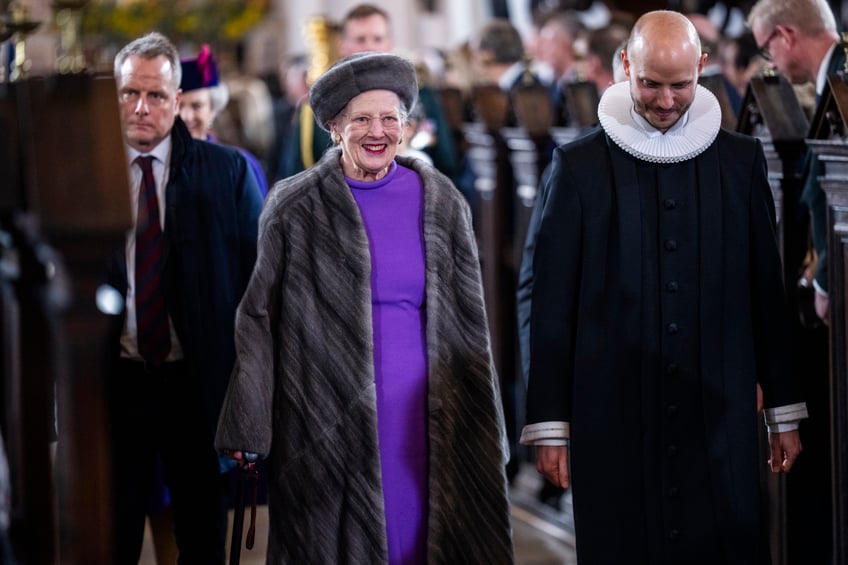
219	95
809	16
150	46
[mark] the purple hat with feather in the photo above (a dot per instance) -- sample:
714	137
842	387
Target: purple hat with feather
201	72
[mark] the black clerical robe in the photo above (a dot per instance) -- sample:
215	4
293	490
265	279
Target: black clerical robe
657	307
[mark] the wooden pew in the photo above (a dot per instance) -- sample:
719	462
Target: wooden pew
827	140
69	211
456	113
771	112
582	101
715	84
530	143
488	155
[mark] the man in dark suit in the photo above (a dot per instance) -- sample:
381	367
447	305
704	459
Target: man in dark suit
657	307
182	272
800	39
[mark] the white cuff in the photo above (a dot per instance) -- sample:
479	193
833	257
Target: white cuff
785	418
546	433
784	427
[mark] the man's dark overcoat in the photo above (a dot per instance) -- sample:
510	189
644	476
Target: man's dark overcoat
657	307
211	226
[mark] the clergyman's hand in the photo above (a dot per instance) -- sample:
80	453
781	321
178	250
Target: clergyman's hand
784	447
822	305
552	463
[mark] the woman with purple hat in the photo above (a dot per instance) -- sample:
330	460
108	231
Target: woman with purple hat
364	370
204	96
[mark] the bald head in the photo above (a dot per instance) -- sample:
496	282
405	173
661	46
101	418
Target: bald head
662	62
664	33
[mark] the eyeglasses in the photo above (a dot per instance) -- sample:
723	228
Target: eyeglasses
361	122
764	49
152	99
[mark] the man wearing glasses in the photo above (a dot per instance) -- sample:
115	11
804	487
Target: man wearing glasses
800	39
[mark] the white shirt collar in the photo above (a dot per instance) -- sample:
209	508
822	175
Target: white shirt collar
161	151
688	138
509	76
821	78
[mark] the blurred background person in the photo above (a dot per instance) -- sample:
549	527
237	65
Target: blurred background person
247	121
500	59
711	41
555	44
204	96
416	134
741	61
6	554
558	47
294	87
603	46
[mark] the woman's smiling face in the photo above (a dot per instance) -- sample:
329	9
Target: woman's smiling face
370	128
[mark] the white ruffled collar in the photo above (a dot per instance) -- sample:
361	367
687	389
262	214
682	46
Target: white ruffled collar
638	138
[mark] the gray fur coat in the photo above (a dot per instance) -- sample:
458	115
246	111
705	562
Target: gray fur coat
303	394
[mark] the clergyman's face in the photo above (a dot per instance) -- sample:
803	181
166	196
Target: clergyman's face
663	83
149	101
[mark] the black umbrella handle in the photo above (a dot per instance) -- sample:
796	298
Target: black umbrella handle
247	471
253	480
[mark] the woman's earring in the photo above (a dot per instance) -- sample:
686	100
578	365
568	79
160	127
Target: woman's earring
336	138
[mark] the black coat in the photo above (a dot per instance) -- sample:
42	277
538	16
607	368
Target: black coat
657	307
812	195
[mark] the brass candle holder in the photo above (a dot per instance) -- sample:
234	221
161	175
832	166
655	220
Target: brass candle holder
319	35
845	49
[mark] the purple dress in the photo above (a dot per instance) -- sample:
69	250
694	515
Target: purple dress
391	210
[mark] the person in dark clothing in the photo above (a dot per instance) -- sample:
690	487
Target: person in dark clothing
203	97
800	39
657	308
182	272
294	87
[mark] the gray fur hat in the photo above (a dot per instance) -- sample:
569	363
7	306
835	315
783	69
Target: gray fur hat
358	73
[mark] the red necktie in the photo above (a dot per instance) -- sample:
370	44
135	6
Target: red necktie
154	337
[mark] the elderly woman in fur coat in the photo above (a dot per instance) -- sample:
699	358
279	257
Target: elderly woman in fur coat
364	370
